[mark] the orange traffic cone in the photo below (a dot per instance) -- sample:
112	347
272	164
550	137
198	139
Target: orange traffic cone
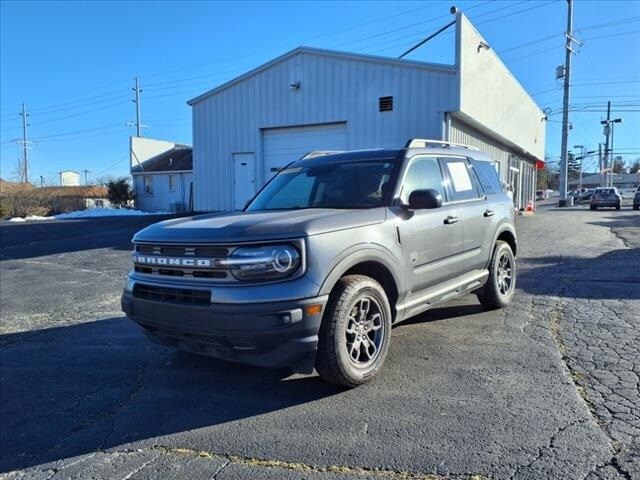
530	207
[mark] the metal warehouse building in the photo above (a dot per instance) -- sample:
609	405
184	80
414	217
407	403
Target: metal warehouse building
308	99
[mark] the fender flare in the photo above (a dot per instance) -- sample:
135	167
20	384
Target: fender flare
359	253
504	227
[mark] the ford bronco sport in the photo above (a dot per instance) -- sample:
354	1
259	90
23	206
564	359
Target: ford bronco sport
329	254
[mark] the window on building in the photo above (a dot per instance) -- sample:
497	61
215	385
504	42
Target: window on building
461	185
172	183
148	185
423	173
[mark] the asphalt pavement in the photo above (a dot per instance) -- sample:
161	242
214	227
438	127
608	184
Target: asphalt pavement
547	388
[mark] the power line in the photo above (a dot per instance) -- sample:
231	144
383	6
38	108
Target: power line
414	35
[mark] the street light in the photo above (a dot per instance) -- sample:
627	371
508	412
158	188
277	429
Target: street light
608	128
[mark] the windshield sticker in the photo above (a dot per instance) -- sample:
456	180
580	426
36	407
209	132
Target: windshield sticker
460	176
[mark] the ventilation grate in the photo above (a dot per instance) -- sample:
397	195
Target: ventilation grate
385	104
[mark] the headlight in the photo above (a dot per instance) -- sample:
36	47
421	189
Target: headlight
267	262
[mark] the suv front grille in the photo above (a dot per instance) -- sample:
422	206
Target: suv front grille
178	253
174	295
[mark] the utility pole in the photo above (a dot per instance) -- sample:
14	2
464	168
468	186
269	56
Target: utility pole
607	158
25	146
601	163
565	106
137	90
41	181
85	176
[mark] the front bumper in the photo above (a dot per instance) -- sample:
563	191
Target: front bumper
266	334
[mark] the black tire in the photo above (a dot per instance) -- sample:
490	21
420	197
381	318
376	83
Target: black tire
334	362
593	207
496	293
618	206
636	207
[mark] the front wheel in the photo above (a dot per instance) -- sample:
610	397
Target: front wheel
618	206
593	207
498	291
355	333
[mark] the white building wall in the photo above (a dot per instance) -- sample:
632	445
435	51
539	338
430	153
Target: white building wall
162	198
343	88
491	95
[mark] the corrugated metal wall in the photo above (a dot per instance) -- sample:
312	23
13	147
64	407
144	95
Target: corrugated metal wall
332	89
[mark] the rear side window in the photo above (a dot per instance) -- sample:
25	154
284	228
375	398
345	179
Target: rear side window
461	183
488	177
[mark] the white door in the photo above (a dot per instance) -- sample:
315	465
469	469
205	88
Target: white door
282	146
244	178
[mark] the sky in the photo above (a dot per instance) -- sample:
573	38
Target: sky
73	64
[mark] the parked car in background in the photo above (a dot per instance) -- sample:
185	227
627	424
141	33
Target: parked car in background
606	197
636	199
541	195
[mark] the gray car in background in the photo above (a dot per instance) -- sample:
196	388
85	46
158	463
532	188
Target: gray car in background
332	252
606	197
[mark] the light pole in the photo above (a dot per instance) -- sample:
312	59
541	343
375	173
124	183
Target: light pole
608	130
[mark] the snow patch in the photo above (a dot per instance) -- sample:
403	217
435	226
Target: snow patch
106	212
90	213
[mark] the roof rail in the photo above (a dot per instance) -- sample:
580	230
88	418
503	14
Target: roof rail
424	143
319	153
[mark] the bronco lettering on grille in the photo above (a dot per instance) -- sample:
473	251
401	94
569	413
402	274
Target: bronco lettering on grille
177	262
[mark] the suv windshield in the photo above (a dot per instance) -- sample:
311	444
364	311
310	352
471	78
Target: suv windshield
362	184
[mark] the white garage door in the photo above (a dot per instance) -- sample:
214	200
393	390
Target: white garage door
282	146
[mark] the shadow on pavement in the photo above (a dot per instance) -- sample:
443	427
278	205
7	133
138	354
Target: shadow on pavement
612	275
41	238
72	390
444	313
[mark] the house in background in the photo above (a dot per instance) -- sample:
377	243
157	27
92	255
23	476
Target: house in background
162	175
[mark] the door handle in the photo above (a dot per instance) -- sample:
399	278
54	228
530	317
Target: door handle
489	213
451	220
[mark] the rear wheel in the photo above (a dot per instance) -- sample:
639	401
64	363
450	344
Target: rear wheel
618	206
498	291
593	207
636	207
355	332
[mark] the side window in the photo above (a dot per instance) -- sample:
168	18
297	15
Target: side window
487	176
461	184
423	173
148	185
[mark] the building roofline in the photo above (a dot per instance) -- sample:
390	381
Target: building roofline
439	67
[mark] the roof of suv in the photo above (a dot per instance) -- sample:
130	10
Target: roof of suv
319	158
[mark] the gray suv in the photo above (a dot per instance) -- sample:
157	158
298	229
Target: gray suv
333	251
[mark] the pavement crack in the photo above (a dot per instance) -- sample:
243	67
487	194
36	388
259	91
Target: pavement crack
219	470
355	472
141	467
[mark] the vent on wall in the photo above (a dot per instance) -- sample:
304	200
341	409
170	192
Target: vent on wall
385	104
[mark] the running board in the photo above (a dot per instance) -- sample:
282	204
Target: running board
441	293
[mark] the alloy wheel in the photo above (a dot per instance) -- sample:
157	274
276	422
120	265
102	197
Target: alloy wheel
365	331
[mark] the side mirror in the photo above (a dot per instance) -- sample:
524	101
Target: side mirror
424	199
